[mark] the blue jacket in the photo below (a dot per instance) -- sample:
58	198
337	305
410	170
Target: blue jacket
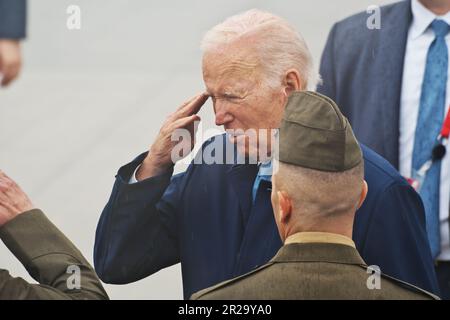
13	19
362	71
204	219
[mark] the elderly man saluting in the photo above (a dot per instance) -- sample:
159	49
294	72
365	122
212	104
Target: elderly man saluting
316	191
217	219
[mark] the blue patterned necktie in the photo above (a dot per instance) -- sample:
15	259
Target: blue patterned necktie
429	123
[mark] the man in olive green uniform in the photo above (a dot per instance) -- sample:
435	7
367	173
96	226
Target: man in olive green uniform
49	257
317	187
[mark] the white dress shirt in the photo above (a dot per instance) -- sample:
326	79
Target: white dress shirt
133	178
420	37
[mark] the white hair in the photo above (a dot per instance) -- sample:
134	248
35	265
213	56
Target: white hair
279	46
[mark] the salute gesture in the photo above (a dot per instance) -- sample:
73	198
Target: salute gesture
159	158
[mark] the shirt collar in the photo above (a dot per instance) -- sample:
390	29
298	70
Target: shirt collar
265	171
422	18
319	237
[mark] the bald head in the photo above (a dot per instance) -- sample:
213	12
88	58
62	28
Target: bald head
316	200
320	193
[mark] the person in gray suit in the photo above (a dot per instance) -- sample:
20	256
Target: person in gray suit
393	84
12	30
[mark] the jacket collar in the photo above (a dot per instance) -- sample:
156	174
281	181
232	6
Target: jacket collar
241	178
319	237
318	252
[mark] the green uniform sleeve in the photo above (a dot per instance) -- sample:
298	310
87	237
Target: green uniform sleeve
51	259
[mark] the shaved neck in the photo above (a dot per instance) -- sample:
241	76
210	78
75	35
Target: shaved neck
342	224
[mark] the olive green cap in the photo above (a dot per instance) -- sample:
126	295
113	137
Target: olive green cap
315	134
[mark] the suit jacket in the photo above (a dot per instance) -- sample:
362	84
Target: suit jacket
304	271
362	71
204	218
46	254
13	19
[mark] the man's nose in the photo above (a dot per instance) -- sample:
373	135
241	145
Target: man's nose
223	116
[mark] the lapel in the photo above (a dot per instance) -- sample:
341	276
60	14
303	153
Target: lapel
389	72
260	239
241	178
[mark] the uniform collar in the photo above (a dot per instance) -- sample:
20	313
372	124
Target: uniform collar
319	237
318	252
422	18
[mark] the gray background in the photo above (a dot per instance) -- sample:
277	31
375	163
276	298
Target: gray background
89	100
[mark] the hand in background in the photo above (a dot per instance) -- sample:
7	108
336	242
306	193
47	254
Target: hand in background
13	201
10	60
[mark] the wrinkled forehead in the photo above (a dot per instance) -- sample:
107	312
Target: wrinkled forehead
232	63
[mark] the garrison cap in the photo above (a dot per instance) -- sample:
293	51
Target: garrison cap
315	134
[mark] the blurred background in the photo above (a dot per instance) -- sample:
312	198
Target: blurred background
89	100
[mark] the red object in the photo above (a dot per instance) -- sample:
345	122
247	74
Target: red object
413	182
445	131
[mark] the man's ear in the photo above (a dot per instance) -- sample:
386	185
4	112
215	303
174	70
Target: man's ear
285	206
292	82
363	195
